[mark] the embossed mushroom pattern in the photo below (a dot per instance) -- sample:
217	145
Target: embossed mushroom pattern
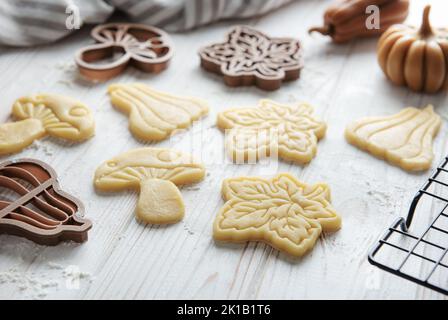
147	48
156	172
289	131
43	114
283	212
250	57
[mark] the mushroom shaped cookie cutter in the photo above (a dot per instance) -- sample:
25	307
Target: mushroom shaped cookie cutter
42	212
156	172
146	48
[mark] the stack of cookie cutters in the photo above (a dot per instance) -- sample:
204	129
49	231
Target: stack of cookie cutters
405	247
40	211
121	44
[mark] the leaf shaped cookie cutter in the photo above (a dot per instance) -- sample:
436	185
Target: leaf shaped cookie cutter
42	213
146	48
250	57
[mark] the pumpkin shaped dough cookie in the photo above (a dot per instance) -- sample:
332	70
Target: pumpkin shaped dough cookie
404	139
45	114
156	172
283	212
155	115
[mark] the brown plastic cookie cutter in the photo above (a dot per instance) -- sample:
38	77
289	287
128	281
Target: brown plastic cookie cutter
42	213
146	48
250	57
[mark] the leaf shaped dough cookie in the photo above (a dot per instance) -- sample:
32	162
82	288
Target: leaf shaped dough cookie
283	212
253	133
154	115
156	172
42	114
404	139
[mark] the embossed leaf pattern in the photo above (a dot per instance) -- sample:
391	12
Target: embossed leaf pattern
251	57
293	128
282	211
249	51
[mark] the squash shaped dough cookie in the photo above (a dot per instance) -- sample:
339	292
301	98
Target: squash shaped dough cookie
155	115
404	139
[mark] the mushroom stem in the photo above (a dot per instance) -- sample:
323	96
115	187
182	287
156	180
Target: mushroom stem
15	136
425	28
160	202
325	30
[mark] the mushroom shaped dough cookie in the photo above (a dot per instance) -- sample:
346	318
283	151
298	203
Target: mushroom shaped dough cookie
155	115
156	172
45	114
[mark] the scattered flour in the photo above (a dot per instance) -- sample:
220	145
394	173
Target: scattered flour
37	285
38	145
193	188
186	228
32	285
66	66
70	74
385	196
65	82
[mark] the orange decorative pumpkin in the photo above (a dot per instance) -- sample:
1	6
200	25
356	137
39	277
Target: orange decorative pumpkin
417	58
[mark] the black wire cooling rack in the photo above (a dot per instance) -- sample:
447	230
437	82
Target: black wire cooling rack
401	249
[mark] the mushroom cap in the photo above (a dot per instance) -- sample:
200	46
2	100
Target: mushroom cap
128	169
61	116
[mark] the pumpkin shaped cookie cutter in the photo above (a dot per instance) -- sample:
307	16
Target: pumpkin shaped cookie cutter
41	211
144	47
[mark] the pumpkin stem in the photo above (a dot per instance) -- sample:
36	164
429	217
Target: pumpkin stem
325	30
425	28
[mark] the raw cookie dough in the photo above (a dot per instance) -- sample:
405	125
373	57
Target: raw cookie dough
404	139
43	114
269	129
155	115
156	172
283	212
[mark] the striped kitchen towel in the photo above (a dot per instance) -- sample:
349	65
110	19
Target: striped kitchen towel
32	22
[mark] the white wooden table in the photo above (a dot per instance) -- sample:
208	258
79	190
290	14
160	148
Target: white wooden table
126	260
